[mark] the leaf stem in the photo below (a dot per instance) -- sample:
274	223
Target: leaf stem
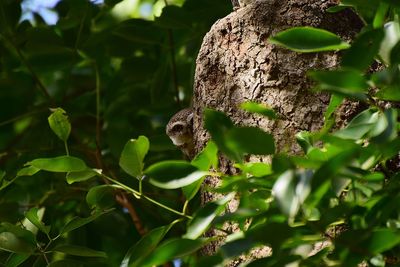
66	148
140	195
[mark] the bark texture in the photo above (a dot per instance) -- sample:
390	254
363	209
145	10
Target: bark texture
236	63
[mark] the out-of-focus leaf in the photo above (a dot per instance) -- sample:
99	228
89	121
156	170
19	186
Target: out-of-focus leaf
79	251
308	39
203	218
16	239
291	189
33	216
207	158
347	82
100	196
27	171
191	190
258	108
145	246
250	140
78	222
382	240
363	50
132	156
67	263
172	249
59	164
363	125
173	174
16	259
174	17
60	124
392	36
257	169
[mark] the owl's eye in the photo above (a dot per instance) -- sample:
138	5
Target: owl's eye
177	128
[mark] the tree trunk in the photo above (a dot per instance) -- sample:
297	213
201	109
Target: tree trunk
236	63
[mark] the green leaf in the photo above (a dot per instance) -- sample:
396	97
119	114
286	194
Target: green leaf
133	154
363	50
78	222
259	108
16	239
257	169
16	260
207	158
59	164
73	177
101	196
382	240
67	263
250	140
203	218
191	190
172	249
218	124
79	251
361	126
392	36
27	171
173	174
145	246
12	243
174	17
308	39
347	82
291	189
33	217
60	124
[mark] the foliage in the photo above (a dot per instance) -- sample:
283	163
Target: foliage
75	192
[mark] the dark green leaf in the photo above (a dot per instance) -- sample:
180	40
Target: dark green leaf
174	17
67	263
16	260
145	246
173	174
79	251
250	140
77	222
363	50
363	125
132	156
101	196
308	39
382	240
172	249
347	82
59	123
12	243
59	164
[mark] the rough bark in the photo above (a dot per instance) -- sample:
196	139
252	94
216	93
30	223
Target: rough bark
236	63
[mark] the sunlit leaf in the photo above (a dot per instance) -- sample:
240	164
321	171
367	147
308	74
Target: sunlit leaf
73	177
308	39
60	124
203	218
173	174
132	156
59	164
33	217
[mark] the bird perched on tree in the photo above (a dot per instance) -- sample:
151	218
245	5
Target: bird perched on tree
180	131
